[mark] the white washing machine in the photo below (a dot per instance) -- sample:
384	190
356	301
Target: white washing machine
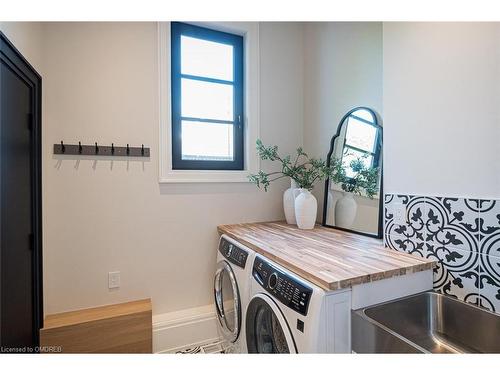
287	314
231	292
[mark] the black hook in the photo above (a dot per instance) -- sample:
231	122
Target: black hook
128	150
142	150
79	147
63	148
112	148
96	148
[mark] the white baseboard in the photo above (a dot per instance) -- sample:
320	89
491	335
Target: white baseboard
185	328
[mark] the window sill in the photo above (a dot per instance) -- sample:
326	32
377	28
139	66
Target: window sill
184	176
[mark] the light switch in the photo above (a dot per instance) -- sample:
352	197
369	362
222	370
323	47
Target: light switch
114	279
400	215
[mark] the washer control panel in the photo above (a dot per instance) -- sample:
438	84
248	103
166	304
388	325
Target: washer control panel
233	253
287	289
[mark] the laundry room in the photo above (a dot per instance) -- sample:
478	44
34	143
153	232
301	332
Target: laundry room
238	185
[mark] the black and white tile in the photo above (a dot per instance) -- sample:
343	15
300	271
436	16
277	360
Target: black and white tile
462	235
490	254
406	244
453	222
413	225
489	283
457	273
490	228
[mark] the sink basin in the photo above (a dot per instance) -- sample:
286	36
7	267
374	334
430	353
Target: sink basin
427	322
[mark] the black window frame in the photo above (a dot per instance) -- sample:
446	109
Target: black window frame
377	144
177	30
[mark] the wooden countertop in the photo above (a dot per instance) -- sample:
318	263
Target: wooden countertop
330	258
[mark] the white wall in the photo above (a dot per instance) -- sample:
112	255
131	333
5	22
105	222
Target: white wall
343	70
27	37
441	111
101	84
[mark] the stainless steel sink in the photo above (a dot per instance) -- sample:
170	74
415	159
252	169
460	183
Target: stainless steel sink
427	322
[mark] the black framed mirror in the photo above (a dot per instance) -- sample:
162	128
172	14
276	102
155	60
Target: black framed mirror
354	198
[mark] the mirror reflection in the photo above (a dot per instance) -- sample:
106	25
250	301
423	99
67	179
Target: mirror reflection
352	197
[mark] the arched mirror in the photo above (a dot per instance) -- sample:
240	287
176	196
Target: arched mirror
353	196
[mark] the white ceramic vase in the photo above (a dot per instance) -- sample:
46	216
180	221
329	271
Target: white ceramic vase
345	211
330	209
289	202
306	208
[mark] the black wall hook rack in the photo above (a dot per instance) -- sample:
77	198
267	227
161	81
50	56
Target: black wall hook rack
96	149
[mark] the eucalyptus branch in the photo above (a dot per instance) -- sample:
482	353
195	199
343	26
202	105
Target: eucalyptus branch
308	171
277	178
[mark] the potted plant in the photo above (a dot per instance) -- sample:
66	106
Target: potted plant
362	182
299	204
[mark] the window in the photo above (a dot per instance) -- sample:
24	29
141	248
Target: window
361	141
207	99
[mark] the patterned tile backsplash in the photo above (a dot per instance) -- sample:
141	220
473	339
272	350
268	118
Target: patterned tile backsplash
462	235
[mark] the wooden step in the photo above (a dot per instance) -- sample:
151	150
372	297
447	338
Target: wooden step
120	328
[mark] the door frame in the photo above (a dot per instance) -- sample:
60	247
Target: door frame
11	56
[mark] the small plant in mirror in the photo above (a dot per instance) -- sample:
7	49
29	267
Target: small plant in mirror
363	181
304	170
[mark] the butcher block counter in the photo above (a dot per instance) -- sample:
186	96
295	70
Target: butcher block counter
330	258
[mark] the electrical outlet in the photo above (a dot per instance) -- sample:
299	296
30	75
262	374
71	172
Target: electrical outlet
399	211
114	280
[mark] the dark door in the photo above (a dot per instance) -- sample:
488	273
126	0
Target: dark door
20	287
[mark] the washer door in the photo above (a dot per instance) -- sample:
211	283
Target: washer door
266	328
227	301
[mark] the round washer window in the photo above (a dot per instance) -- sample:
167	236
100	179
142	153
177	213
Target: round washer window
227	301
264	331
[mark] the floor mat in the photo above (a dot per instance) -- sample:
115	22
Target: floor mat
211	348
